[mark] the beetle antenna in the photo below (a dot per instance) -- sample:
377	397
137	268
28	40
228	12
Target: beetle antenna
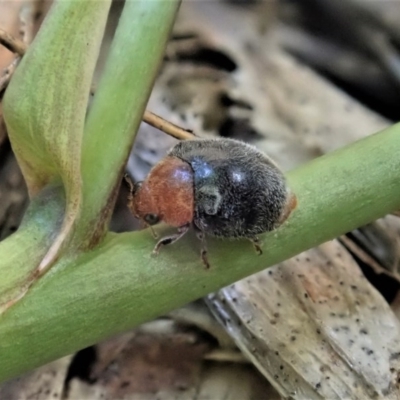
153	232
128	180
133	187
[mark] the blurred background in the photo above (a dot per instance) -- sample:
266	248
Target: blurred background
297	80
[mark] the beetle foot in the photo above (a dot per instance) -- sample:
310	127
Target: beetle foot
203	253
170	239
153	232
257	245
204	258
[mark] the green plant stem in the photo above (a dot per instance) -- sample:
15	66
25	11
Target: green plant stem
30	243
118	107
119	284
45	110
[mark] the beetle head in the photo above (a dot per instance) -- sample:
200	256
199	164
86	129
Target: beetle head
167	194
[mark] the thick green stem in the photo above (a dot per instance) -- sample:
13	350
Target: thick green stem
118	107
44	109
46	101
119	284
29	244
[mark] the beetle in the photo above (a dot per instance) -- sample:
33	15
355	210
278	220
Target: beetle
221	187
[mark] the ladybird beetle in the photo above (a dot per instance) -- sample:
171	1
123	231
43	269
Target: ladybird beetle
220	187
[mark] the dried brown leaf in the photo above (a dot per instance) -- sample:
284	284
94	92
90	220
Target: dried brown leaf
315	327
42	384
382	240
164	361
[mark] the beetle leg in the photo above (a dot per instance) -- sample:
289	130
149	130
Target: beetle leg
256	243
171	239
153	232
204	258
144	225
203	252
128	180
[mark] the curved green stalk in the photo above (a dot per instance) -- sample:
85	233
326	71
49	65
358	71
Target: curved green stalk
117	109
44	110
45	103
119	284
29	245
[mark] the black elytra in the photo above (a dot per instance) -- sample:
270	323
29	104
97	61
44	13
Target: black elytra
238	190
